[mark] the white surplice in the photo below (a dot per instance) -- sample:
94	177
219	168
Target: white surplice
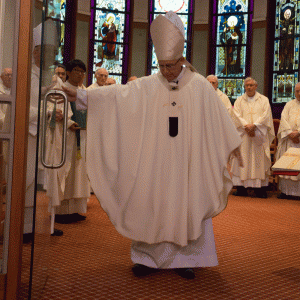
225	101
93	86
255	151
77	186
290	121
161	191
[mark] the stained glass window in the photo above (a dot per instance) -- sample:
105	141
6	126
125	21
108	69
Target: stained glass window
231	27
56	9
286	50
184	9
110	38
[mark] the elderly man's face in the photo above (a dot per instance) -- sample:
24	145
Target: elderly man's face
101	76
170	69
61	73
49	52
6	77
213	81
250	88
297	92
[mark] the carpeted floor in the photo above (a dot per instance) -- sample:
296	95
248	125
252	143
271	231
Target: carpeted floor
257	243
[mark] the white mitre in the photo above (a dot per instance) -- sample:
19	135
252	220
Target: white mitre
50	34
168	37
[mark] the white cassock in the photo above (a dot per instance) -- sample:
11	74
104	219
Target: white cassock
290	121
161	191
56	178
93	86
254	150
77	186
225	101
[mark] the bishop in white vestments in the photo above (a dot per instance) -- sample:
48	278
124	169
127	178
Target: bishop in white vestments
254	122
289	136
157	151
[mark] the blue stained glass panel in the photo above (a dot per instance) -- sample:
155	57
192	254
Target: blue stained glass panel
232	18
109	29
286	50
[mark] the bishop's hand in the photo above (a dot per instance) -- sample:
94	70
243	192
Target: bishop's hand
71	94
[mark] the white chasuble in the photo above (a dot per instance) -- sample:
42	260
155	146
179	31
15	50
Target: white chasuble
255	150
290	121
225	101
157	188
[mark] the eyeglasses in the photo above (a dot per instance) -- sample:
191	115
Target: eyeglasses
169	66
79	71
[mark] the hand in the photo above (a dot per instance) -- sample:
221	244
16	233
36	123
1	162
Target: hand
237	154
294	135
59	116
250	129
71	94
74	127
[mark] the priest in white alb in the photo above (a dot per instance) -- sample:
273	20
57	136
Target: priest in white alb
254	122
289	136
157	151
215	82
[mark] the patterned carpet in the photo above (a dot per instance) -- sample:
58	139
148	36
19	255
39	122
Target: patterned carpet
258	250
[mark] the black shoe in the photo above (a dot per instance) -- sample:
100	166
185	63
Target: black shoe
240	192
63	219
186	273
142	270
27	238
77	217
261	193
57	232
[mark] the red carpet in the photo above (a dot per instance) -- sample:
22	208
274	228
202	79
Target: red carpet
257	243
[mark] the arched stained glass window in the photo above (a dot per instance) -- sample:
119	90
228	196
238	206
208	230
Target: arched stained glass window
286	50
56	10
109	38
184	9
230	44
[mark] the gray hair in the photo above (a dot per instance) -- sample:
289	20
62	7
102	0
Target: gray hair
250	78
99	70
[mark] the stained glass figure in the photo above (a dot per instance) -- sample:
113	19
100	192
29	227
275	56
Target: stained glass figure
110	21
56	9
184	9
286	50
231	45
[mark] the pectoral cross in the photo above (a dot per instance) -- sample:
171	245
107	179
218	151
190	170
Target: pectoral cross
173	121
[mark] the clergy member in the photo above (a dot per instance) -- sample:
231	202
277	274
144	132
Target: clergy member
156	155
289	136
215	82
101	75
73	201
61	72
255	125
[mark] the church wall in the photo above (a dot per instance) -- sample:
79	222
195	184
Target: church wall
139	52
258	57
82	42
199	59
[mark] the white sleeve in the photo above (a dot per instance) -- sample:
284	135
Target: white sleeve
81	100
